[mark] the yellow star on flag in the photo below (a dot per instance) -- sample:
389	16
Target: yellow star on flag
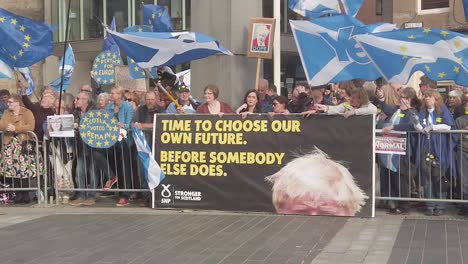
135	68
83	134
114	56
95	66
91	114
153	15
27	37
456	69
160	14
82	126
149	21
403	48
132	61
106	115
460	60
140	29
113	121
98	144
14	21
99	114
86	119
427	30
143	73
97	60
90	141
103	56
26	45
20	52
444	33
457	44
2	19
98	79
411	37
109	54
115	129
428	69
13	57
106	143
111	80
22	28
114	138
441	74
104	82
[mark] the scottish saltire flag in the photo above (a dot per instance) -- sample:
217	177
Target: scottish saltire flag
27	75
157	17
109	43
67	71
153	49
6	64
134	70
328	51
318	8
153	173
440	54
26	41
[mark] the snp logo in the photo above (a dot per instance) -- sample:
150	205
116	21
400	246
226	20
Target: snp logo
166	194
346	48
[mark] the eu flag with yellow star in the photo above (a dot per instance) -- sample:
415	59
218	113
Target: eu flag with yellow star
157	17
440	54
24	40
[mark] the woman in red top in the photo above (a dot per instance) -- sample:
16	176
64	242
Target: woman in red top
212	105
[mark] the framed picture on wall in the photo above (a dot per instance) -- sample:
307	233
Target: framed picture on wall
261	32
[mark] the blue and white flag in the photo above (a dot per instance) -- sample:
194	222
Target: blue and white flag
153	173
157	17
135	71
152	49
67	71
440	54
109	43
6	64
318	8
27	75
328	51
24	40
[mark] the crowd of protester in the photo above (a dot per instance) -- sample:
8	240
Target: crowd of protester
429	169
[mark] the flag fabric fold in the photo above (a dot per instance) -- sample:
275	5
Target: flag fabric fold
134	70
318	8
157	17
153	173
152	49
328	51
439	54
67	71
109	43
6	66
24	40
27	75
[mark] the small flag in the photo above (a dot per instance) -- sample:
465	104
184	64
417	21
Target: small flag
157	17
318	8
109	43
153	173
67	72
27	75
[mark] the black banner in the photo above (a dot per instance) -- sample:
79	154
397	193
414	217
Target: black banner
283	163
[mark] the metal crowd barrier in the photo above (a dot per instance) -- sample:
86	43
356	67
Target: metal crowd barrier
80	169
21	174
419	175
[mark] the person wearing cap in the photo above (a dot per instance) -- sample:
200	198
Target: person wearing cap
425	85
187	105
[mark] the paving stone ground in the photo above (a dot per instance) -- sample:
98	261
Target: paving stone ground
137	235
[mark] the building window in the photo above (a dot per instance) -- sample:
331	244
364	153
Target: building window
378	7
434	4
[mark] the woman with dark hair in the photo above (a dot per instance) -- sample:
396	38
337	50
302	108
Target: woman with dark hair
395	174
435	150
280	105
212	105
251	103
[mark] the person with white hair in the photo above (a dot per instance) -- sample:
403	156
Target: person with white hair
314	184
455	103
